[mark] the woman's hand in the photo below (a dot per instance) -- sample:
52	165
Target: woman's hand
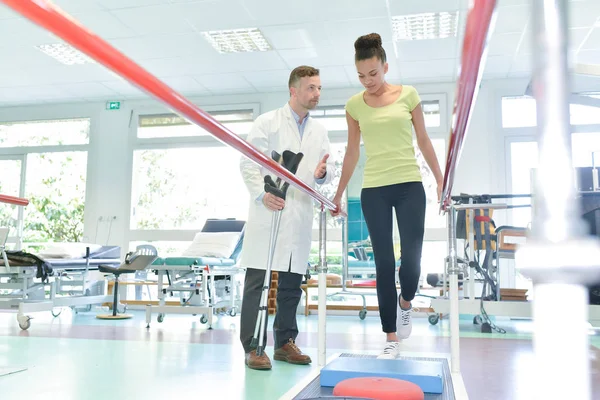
338	203
440	187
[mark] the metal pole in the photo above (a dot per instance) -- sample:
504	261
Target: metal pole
322	270
558	257
556	216
472	271
344	253
453	283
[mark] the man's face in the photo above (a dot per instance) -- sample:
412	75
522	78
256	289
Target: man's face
308	92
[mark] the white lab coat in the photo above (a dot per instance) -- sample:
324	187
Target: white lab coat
277	130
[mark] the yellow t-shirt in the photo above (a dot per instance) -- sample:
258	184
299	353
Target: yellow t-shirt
387	137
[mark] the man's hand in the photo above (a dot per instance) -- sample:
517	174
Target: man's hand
321	168
273	202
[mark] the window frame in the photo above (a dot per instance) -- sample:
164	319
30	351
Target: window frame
21	153
335	137
438	132
18	240
52	147
168	143
526	134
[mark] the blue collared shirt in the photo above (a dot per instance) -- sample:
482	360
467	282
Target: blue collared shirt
302	125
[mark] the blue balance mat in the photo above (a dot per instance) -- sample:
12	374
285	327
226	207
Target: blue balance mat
426	374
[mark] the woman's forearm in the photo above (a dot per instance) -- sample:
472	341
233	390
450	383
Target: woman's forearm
350	161
429	154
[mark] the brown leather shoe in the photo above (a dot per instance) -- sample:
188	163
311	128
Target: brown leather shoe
290	353
255	362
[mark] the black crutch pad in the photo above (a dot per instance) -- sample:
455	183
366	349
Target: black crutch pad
291	161
276	156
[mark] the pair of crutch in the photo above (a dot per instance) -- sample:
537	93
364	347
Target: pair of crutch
290	161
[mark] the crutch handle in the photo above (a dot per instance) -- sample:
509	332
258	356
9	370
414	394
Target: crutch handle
271	187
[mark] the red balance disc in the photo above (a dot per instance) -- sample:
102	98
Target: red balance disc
379	389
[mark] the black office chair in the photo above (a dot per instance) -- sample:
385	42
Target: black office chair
139	260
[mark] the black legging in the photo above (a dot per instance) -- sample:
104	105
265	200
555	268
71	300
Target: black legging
408	199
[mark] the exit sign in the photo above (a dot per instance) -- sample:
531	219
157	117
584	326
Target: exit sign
113	105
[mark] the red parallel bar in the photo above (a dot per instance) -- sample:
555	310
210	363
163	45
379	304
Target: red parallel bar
64	26
13	200
480	21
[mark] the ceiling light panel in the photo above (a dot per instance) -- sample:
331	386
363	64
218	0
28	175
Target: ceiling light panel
65	54
425	26
237	40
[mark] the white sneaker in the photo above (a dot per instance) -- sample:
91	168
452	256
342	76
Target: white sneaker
390	351
404	323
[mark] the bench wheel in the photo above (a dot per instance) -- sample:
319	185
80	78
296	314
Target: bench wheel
486	328
24	322
362	313
433	319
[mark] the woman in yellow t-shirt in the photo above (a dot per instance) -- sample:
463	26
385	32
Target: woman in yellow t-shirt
384	114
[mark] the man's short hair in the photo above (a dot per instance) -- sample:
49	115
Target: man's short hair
301	72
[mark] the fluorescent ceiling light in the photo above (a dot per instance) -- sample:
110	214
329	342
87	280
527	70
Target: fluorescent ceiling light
425	26
64	53
237	40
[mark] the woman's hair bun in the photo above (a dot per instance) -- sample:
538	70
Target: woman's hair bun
368	46
370	41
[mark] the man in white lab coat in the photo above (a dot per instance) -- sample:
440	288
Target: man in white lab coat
287	128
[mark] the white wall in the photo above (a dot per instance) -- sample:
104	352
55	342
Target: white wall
112	133
481	168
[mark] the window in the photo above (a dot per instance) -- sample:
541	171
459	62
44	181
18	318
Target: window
433	219
334	117
55	187
338	151
431	112
180	188
172	125
53	164
10	183
357	228
45	133
585	115
586	149
520	112
523	158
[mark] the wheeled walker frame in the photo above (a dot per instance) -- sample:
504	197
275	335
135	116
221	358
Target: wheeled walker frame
290	161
